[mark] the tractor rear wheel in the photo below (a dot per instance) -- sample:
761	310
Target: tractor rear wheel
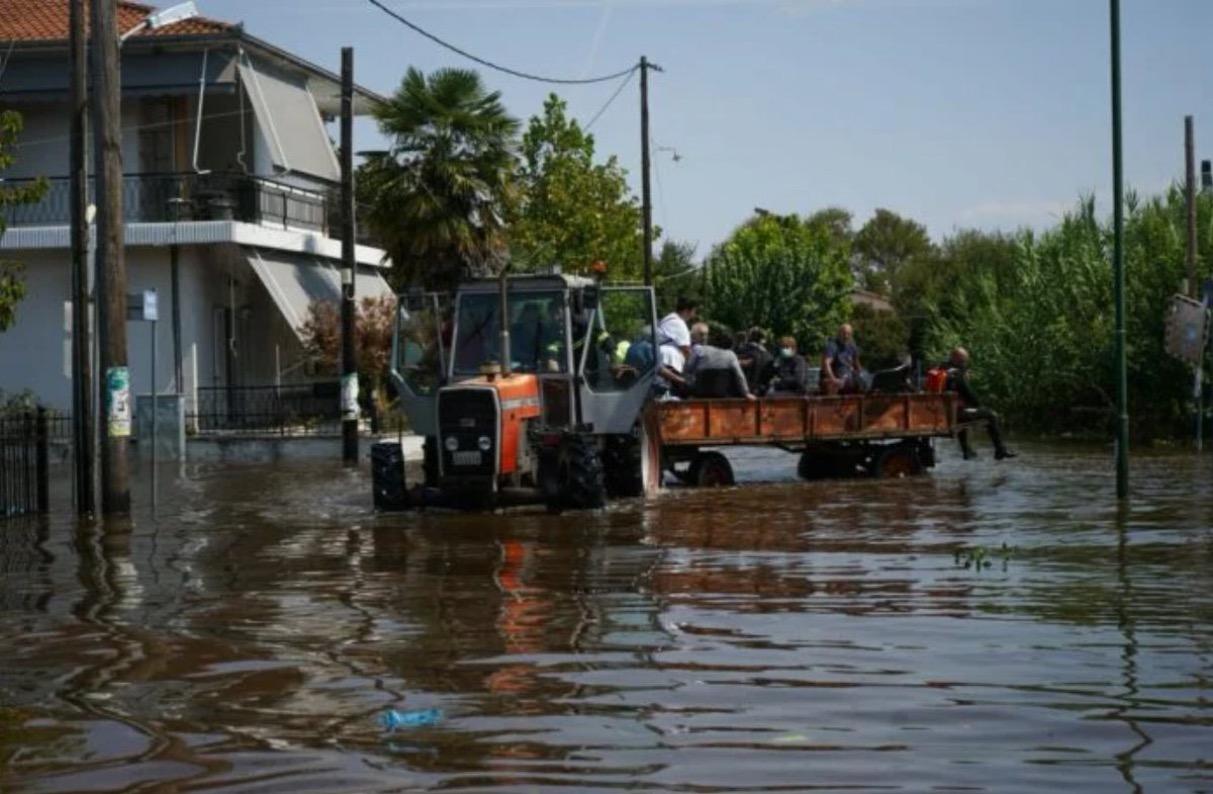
622	466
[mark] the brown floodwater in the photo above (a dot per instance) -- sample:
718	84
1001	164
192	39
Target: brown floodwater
990	626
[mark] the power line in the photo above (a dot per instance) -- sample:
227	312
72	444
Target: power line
622	85
490	64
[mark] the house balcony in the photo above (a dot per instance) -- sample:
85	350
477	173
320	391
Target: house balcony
159	198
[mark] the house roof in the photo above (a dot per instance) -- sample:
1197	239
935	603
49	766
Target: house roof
38	25
47	20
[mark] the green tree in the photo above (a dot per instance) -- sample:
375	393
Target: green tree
782	274
886	244
12	283
437	199
675	274
574	212
882	336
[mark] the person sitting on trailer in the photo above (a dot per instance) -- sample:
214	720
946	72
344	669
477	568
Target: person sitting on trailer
788	373
668	382
713	371
971	409
755	359
674	329
840	367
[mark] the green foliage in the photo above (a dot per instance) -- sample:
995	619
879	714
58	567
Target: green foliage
1039	322
12	284
438	197
882	336
780	273
574	212
886	244
676	274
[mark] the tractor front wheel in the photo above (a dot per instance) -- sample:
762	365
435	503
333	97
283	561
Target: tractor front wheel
579	480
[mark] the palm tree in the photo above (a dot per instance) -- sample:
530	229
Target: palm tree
437	198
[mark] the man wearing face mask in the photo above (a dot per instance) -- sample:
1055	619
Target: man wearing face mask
971	409
789	373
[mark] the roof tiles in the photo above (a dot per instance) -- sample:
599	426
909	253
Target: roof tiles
47	20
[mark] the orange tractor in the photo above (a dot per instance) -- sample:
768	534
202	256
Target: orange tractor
527	389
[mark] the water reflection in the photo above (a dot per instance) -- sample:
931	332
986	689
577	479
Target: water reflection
774	636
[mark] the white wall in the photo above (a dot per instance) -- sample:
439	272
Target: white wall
32	351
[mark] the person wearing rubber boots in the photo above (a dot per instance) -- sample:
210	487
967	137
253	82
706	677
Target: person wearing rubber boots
971	409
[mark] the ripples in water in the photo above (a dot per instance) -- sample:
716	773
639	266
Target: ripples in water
989	627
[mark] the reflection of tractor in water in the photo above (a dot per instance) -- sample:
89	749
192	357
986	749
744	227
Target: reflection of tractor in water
527	389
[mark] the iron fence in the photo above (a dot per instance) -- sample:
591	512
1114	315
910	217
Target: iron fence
301	409
153	198
24	463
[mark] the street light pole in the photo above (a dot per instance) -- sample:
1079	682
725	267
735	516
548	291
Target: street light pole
1118	267
110	262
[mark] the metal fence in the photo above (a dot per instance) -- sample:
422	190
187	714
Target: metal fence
152	198
24	464
295	410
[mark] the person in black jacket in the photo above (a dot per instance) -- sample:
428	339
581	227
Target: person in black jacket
788	372
754	358
971	409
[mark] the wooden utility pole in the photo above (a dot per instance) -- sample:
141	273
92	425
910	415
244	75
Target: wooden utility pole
114	375
646	189
349	366
83	426
1190	195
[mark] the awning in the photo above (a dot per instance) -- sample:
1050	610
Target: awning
296	280
288	116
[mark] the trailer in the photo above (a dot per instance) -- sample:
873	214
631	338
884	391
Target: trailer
875	434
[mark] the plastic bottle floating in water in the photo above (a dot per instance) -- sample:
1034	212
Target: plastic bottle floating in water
391	719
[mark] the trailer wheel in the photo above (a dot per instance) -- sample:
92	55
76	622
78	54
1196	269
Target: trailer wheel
816	466
711	470
579	475
622	466
897	461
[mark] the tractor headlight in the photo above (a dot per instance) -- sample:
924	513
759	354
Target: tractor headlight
451	443
485	443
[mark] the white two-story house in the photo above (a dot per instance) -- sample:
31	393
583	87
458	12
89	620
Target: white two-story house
230	193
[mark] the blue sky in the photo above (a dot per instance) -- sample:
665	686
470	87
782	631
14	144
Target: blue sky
957	113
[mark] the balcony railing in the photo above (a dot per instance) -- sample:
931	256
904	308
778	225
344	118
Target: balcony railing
151	198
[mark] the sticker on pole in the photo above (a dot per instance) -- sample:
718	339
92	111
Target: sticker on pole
118	402
349	396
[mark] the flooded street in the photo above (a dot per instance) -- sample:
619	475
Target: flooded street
990	626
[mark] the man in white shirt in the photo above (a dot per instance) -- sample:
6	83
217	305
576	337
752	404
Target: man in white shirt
674	329
668	383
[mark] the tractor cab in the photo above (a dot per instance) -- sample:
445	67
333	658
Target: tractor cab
514	380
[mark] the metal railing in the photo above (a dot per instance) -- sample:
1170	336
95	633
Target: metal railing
295	410
152	198
24	464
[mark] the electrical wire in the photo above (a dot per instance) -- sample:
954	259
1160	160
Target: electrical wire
506	70
623	84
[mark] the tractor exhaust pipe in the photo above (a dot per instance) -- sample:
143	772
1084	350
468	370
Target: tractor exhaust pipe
504	343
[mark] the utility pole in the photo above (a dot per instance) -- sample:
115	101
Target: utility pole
110	262
349	368
646	189
1190	195
1118	266
82	359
